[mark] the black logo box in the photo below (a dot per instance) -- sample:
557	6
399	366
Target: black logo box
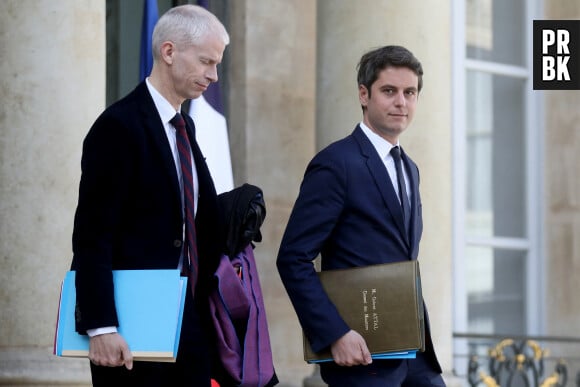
573	64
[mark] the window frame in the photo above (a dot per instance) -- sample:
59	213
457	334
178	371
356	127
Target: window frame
533	120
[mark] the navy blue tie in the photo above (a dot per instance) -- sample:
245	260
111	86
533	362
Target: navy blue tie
184	151
403	198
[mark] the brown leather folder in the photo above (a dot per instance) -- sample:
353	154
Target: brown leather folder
381	302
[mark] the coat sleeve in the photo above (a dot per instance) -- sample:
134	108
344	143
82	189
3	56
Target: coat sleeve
102	193
317	209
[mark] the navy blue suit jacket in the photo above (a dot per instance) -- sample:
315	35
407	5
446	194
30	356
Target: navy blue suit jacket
129	213
348	212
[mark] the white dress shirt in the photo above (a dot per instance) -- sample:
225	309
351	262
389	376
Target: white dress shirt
383	148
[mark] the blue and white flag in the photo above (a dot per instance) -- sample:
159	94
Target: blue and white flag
150	16
212	133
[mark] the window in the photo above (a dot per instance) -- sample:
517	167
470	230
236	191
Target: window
497	260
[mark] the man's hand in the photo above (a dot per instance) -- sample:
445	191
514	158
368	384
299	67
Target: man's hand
110	350
350	350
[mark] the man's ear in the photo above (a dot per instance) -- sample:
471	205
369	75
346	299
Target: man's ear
167	51
363	95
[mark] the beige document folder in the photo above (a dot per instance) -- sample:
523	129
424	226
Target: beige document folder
381	302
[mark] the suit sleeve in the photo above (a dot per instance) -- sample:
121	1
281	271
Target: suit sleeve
103	190
317	209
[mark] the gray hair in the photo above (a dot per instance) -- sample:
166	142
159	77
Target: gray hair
186	25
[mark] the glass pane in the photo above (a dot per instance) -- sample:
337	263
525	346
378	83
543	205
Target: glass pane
495	291
495	31
496	156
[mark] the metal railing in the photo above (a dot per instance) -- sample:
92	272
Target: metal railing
516	360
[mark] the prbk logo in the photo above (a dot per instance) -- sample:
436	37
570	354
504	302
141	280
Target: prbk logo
557	54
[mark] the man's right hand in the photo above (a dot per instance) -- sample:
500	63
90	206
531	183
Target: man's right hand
350	350
110	350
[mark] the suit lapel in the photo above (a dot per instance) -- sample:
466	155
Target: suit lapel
382	180
203	175
153	125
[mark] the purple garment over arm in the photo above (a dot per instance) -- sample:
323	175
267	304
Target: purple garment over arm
250	364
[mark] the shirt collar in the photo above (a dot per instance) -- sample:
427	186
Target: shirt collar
166	111
382	146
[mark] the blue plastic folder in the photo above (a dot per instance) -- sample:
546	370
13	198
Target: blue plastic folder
149	307
378	356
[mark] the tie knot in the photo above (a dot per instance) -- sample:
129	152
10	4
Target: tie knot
396	153
177	121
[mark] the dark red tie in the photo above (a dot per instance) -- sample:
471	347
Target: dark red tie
190	260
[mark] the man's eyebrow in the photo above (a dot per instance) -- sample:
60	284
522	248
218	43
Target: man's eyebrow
389	86
209	58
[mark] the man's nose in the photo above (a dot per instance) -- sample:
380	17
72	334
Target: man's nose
400	99
212	74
